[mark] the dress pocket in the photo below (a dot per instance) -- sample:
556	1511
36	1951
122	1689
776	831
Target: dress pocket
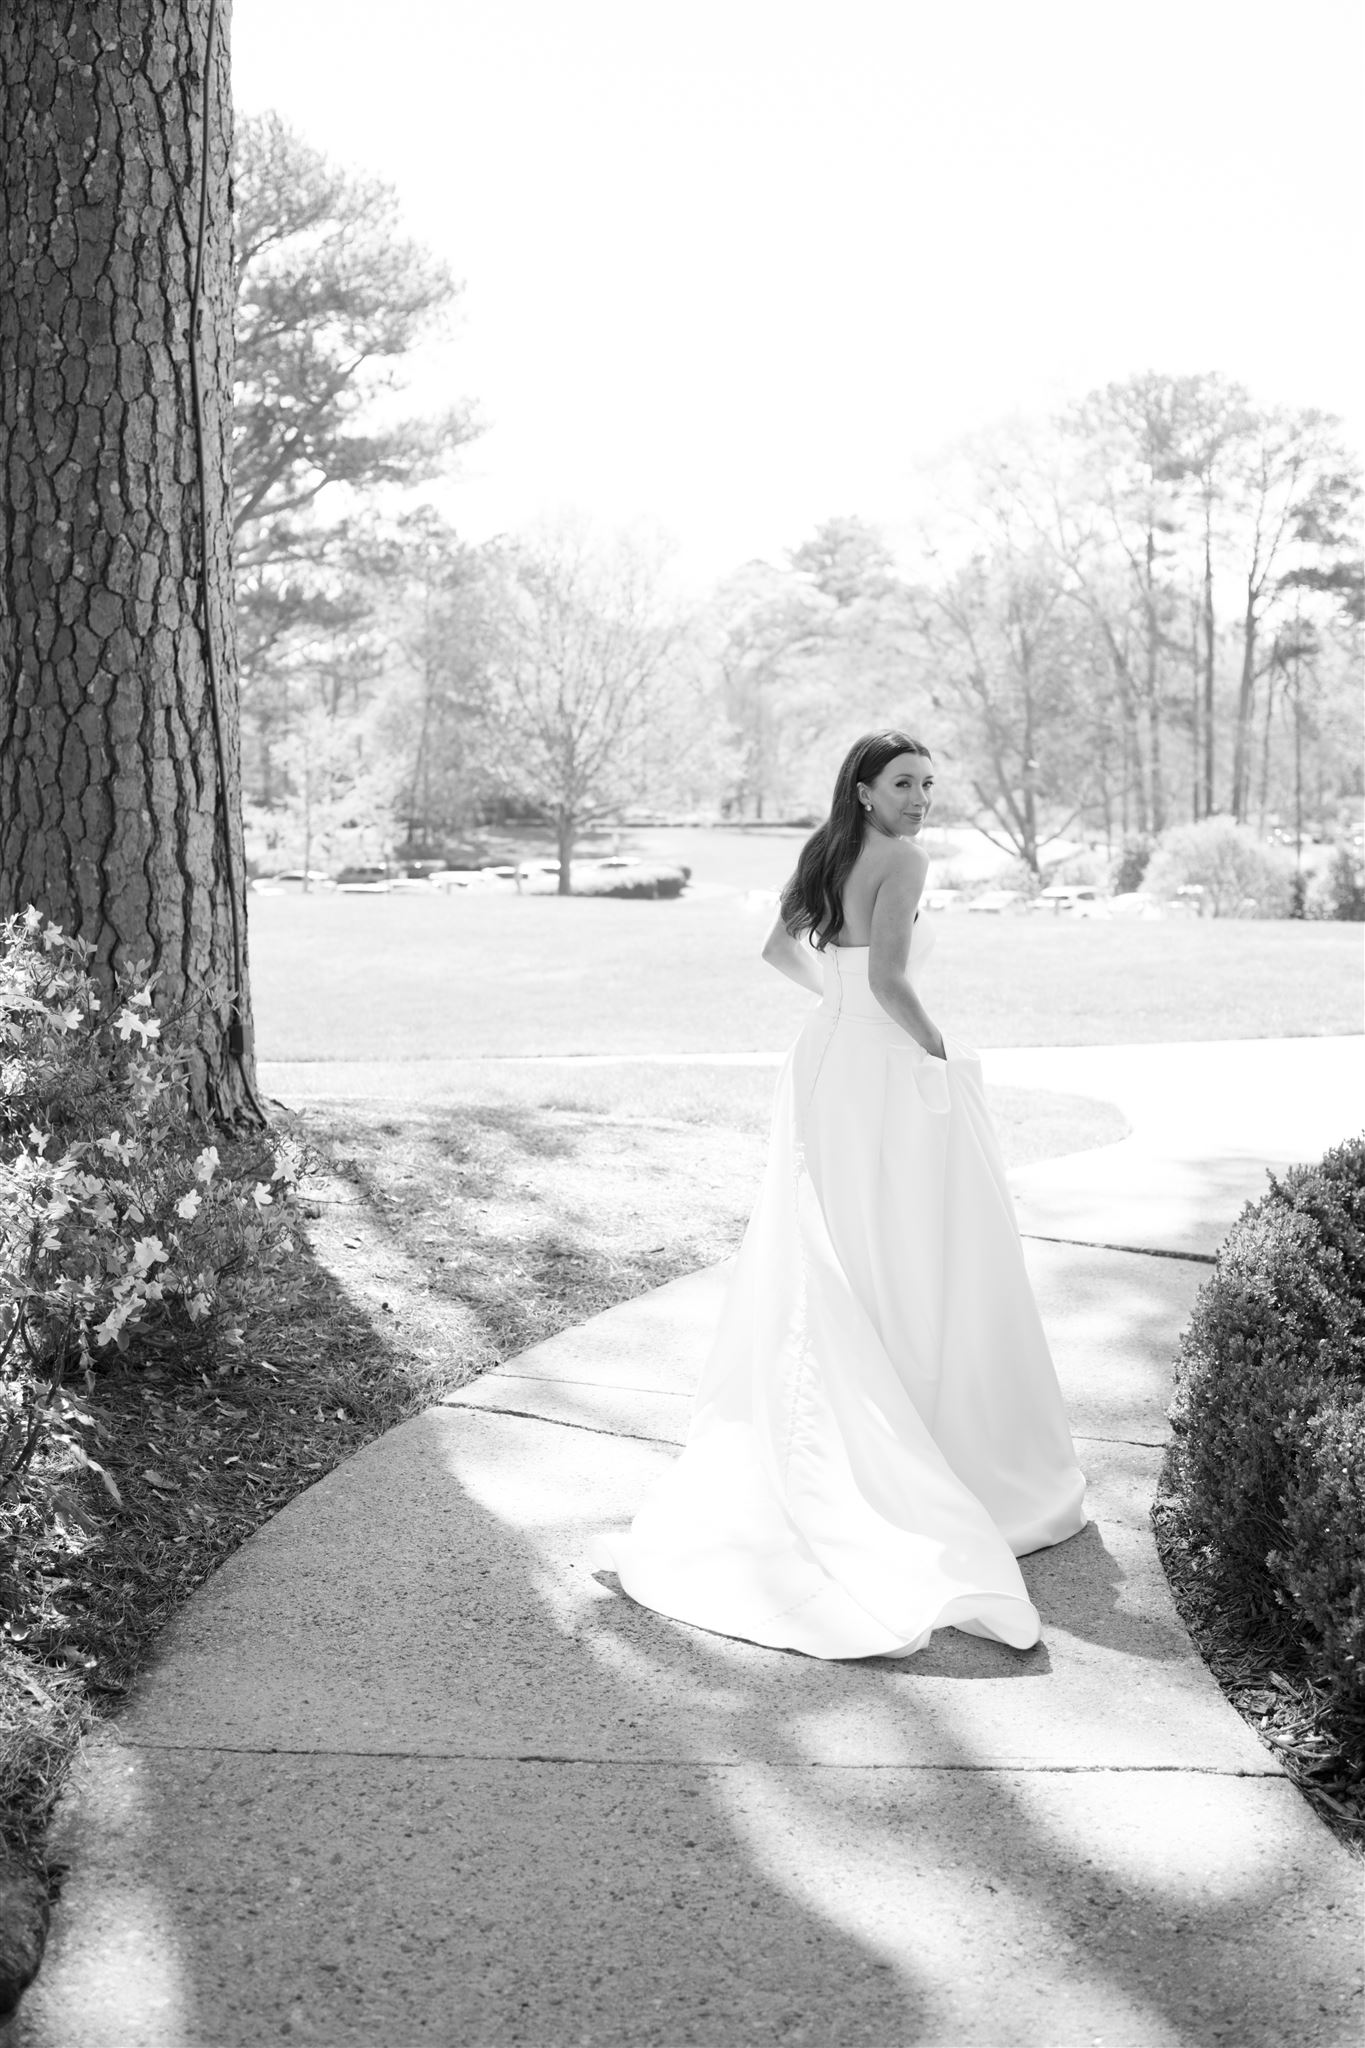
928	1075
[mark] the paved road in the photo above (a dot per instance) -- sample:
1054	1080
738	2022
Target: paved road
410	1771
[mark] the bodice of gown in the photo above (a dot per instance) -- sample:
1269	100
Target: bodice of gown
847	992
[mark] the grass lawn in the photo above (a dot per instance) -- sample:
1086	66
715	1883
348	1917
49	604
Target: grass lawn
476	977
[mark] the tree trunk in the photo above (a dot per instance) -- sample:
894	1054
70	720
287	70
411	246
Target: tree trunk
1264	802
1209	636
120	811
1134	773
1152	690
565	834
1298	772
307	826
1154	763
1246	704
1194	716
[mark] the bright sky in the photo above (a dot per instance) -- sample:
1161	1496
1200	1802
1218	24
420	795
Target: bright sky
736	266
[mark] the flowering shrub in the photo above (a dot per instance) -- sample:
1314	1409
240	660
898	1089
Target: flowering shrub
117	1220
1238	874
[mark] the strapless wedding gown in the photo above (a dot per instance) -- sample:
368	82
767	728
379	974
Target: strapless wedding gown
878	1432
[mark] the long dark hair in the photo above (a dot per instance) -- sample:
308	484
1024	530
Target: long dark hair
813	899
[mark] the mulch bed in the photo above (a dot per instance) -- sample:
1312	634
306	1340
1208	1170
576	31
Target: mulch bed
1283	1705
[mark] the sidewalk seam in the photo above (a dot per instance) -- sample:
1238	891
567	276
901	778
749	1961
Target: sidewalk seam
1138	1251
1140	1443
669	1763
561	1422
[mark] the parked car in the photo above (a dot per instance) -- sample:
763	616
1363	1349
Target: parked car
1080	898
301	878
996	902
1135	907
374	880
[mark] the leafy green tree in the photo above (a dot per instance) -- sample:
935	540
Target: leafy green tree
432	604
585	677
1010	663
332	301
1294	489
847	561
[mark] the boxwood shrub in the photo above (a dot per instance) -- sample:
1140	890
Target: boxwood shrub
1266	1473
638	881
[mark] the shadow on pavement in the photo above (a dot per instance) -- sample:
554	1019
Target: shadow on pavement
408	1771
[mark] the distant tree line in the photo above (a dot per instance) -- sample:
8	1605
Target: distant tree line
1144	612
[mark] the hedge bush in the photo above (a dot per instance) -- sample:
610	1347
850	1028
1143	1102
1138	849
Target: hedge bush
1131	865
1338	890
638	881
1267	1467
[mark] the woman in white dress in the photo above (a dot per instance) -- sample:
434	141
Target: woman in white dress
878	1433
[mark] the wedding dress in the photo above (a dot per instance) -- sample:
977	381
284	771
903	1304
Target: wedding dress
878	1432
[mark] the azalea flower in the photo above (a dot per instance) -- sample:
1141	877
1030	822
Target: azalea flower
111	1329
188	1205
128	1021
206	1165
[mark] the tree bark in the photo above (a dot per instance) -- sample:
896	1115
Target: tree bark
1246	705
566	832
1210	648
1194	715
1265	751
1152	686
119	777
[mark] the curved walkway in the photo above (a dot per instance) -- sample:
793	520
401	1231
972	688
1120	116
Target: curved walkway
408	1771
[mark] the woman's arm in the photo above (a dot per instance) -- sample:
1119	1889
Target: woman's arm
893	916
792	957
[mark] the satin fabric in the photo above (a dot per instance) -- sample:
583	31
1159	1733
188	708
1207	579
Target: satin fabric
878	1431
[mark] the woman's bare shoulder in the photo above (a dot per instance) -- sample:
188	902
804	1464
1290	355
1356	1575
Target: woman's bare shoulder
902	858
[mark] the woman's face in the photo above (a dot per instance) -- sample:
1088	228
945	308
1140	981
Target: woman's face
898	798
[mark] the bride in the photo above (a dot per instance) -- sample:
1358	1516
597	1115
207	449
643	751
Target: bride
878	1433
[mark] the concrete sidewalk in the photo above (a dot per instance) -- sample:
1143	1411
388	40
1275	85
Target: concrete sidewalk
409	1771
